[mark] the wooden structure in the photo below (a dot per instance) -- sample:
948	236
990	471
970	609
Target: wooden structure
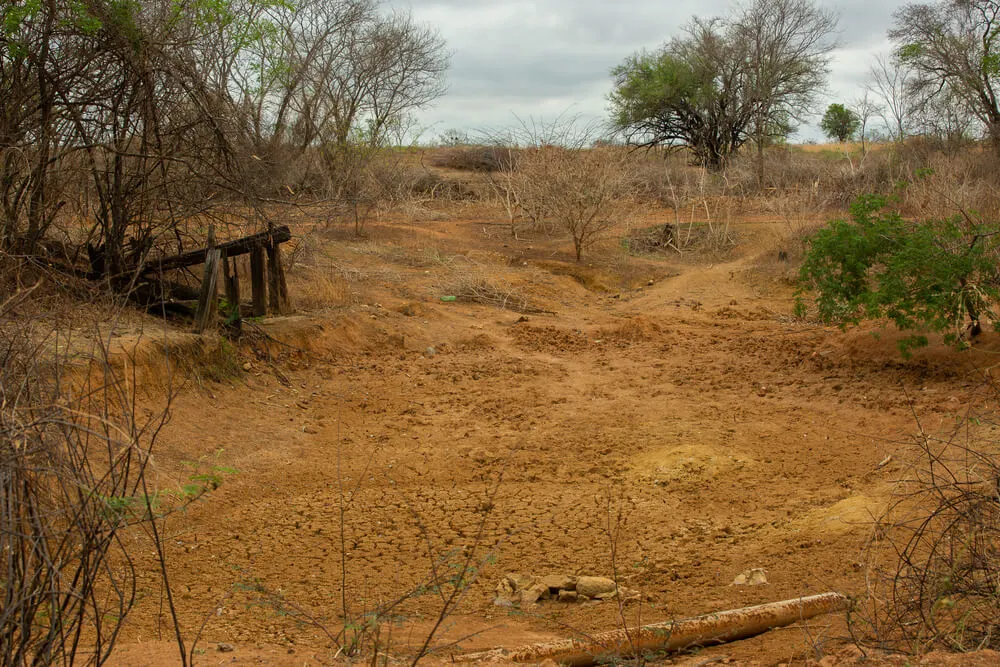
265	257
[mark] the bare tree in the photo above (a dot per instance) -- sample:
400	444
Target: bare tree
504	180
951	47
583	191
786	45
945	116
891	81
866	108
347	79
143	119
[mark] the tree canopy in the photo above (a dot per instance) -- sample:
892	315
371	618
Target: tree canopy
839	122
952	49
725	82
938	275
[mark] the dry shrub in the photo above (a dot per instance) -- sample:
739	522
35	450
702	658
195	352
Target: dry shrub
585	192
474	158
715	239
920	171
433	186
76	478
317	288
369	182
942	183
934	559
648	240
315	278
416	210
671	181
481	282
495	292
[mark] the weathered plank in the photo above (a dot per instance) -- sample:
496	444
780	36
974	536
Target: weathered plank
233	248
208	301
277	286
232	282
258	285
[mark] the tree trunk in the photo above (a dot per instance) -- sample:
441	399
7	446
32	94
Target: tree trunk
37	203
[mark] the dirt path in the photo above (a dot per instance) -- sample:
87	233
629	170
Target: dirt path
689	429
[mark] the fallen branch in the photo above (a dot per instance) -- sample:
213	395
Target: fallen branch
718	628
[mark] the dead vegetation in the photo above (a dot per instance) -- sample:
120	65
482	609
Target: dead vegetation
932	567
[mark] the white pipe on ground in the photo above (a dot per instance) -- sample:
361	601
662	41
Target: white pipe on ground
717	628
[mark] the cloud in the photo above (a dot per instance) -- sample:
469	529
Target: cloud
545	57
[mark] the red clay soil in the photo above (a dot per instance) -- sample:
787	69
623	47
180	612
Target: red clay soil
673	435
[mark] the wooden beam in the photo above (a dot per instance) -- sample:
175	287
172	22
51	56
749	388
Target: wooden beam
277	286
258	284
208	302
233	248
232	282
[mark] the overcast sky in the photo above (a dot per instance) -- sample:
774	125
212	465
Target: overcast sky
543	58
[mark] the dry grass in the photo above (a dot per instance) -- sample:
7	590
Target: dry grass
320	288
482	278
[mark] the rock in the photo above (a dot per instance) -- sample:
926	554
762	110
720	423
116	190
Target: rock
500	601
505	590
247	367
755	577
518	582
568	596
430	351
223	647
533	594
593	587
411	309
559	582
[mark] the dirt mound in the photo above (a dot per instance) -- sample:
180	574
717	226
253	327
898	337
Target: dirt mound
633	330
689	463
551	339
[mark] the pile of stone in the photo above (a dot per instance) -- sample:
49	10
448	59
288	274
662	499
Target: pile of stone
525	590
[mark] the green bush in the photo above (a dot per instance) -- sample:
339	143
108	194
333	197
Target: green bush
925	276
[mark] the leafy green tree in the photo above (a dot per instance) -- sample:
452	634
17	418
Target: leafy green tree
839	122
726	82
924	276
686	94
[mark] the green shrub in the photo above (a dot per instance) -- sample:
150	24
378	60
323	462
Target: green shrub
925	276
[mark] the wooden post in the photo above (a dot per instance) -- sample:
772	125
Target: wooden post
232	282
277	286
258	286
208	303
